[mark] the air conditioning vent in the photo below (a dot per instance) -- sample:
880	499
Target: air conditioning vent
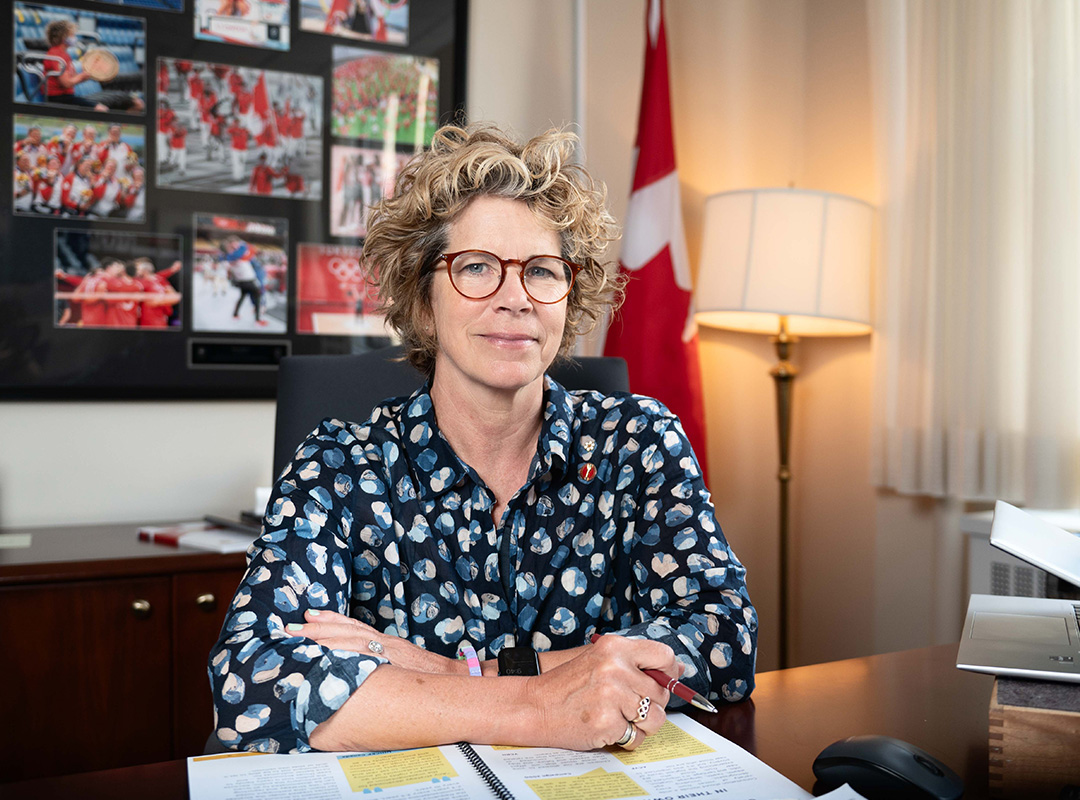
1016	580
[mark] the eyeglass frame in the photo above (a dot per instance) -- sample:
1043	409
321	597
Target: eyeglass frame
448	258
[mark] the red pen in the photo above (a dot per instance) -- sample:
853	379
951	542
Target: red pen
674	686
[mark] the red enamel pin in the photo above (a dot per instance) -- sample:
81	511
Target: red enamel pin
587	472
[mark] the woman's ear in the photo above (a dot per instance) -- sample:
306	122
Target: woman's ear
426	319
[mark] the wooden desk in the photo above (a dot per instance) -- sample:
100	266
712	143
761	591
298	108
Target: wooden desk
106	643
916	695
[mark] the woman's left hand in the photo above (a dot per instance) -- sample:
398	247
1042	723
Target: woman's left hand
340	632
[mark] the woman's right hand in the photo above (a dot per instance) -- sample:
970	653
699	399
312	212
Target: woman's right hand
587	702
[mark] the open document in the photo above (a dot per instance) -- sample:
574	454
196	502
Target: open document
683	759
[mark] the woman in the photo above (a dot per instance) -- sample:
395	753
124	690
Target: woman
62	34
60	86
492	509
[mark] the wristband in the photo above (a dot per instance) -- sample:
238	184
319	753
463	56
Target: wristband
467	653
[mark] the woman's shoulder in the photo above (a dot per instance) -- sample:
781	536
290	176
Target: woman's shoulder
592	405
621	424
357	442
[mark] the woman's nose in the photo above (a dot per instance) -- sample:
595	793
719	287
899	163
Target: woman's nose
512	293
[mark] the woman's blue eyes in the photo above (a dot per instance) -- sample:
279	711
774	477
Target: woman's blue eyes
475	267
541	273
533	272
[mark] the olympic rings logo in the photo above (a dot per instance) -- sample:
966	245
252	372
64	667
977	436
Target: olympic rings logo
346	270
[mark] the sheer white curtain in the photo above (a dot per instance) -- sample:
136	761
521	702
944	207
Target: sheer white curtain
977	347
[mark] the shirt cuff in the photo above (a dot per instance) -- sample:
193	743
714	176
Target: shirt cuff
697	675
327	686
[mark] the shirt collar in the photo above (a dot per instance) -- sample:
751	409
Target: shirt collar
438	469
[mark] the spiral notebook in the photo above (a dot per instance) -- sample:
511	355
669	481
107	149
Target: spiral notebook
683	758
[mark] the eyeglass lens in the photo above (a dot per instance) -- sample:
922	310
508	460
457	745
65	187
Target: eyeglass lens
477	275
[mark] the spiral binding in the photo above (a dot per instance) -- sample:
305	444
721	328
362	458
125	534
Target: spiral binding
489	777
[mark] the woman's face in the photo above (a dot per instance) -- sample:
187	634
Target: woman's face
506	341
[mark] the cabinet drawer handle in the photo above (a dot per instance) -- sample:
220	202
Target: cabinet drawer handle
206	602
141	609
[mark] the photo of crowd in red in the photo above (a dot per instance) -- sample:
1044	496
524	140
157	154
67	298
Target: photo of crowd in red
77	169
239	130
241	274
382	97
359	178
332	295
108	279
371	20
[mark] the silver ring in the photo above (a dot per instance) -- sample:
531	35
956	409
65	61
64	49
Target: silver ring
375	647
643	709
626	737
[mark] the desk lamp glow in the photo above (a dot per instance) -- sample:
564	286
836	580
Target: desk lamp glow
790	263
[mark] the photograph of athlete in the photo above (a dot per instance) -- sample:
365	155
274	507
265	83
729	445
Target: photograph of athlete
254	23
332	295
241	274
157	5
107	279
384	21
71	57
99	176
359	178
239	130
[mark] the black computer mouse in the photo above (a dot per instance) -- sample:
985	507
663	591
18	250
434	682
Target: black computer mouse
883	767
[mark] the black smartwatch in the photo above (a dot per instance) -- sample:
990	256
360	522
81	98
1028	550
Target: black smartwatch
518	661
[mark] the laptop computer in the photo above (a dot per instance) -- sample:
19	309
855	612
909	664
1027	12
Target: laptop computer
1026	637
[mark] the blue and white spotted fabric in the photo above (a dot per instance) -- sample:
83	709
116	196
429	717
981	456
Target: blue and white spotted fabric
613	532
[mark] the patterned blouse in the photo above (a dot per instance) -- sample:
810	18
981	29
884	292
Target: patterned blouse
613	532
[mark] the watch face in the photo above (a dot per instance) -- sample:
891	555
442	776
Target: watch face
518	661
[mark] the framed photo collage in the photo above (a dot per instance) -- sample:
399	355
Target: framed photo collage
191	181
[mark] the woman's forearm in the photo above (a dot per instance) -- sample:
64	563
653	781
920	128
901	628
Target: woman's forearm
396	708
582	704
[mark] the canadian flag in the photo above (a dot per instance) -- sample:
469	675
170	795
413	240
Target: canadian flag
261	98
261	103
655	330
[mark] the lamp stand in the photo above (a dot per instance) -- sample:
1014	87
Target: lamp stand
784	374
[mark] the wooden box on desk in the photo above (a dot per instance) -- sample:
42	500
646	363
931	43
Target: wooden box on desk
1034	738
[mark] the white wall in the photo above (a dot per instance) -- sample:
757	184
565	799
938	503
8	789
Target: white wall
765	93
521	63
64	463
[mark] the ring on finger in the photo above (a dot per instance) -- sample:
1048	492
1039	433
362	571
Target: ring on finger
375	647
627	737
643	709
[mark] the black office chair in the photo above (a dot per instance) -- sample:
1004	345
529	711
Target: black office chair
311	388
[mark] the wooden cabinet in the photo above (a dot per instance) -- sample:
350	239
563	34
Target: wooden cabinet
105	641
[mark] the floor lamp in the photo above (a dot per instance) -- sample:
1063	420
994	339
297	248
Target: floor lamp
789	263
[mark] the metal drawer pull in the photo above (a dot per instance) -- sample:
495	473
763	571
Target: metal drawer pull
206	602
141	609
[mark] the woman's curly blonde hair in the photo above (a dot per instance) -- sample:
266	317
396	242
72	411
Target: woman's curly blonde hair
407	233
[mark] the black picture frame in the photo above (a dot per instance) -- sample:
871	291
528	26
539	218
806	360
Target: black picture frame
42	360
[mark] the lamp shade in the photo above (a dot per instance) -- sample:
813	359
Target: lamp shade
768	253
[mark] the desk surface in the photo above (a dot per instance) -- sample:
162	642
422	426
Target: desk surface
75	552
915	695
